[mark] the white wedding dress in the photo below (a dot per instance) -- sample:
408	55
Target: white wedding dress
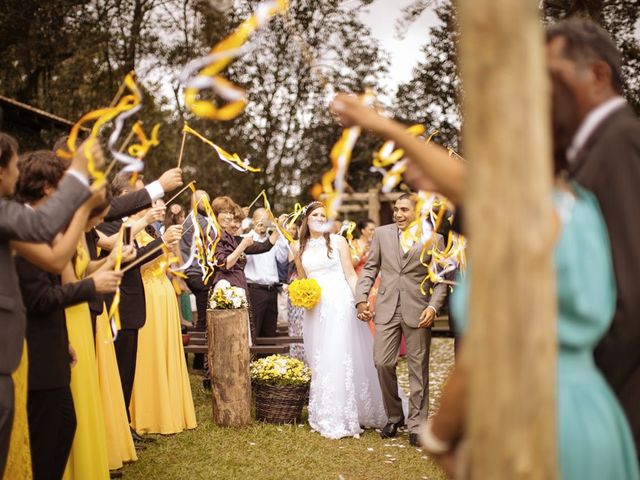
345	393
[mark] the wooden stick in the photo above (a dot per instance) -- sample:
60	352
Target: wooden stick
256	199
125	144
178	194
120	91
184	138
142	258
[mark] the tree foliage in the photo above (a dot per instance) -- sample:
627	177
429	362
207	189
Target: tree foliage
69	56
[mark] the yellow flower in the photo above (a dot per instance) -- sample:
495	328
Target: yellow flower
304	292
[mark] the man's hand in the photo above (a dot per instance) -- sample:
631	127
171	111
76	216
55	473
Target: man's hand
172	235
106	281
171	179
427	318
79	162
364	314
73	357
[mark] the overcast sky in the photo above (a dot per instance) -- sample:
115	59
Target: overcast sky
405	53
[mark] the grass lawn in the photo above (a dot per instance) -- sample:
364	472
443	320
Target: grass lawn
264	451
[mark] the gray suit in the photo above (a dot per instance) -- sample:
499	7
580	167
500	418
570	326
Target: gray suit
399	305
18	222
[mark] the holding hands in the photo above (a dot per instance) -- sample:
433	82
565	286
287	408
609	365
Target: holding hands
364	312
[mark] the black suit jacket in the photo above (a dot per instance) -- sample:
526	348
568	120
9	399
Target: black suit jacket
47	339
18	222
132	302
128	204
609	166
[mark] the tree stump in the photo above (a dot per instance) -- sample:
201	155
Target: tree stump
229	367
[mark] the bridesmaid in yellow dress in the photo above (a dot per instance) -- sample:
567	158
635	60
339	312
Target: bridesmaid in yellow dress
120	448
19	457
161	401
88	458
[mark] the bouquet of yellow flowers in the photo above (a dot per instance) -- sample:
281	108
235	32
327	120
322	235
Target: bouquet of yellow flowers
304	292
280	370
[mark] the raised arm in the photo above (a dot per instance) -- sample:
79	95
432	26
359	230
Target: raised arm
447	174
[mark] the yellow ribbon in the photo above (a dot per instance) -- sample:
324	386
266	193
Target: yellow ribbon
140	150
100	117
232	159
196	78
389	156
114	310
333	181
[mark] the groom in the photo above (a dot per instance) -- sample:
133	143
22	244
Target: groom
400	309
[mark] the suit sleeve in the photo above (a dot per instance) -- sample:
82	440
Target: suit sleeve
369	271
46	295
140	251
18	222
440	290
259	247
129	204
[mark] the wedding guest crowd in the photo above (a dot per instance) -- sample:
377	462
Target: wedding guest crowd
93	361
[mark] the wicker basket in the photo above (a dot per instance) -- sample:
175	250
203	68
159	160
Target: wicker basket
278	404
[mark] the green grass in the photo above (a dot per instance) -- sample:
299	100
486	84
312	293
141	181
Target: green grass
264	451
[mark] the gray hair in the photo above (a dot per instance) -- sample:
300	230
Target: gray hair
586	41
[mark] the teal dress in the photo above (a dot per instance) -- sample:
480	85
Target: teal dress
595	441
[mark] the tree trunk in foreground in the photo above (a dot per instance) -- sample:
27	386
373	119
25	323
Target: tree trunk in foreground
511	341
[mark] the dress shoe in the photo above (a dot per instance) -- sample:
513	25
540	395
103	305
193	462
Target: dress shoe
206	383
139	439
390	430
115	474
139	447
413	440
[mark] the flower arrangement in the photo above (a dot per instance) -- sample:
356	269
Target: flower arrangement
224	296
304	292
280	370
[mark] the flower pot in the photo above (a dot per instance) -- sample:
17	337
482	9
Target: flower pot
279	404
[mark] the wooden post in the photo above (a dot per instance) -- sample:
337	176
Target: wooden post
374	205
511	341
229	367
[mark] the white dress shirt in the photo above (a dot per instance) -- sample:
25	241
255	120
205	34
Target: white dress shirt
262	268
593	119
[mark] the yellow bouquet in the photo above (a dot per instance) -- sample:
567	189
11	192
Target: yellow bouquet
304	292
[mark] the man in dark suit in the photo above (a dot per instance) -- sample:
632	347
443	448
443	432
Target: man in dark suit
604	157
125	204
18	222
132	300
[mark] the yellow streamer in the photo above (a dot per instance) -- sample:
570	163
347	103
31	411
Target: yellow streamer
114	310
100	117
218	59
232	159
333	181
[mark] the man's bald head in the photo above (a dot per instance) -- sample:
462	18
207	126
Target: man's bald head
260	221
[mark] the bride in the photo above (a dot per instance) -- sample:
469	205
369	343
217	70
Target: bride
345	395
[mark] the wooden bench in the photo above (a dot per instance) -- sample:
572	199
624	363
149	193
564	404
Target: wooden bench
268	349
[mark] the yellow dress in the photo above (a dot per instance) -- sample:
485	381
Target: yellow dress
88	458
19	457
161	401
120	446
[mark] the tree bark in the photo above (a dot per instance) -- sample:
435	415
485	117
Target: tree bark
229	367
511	342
